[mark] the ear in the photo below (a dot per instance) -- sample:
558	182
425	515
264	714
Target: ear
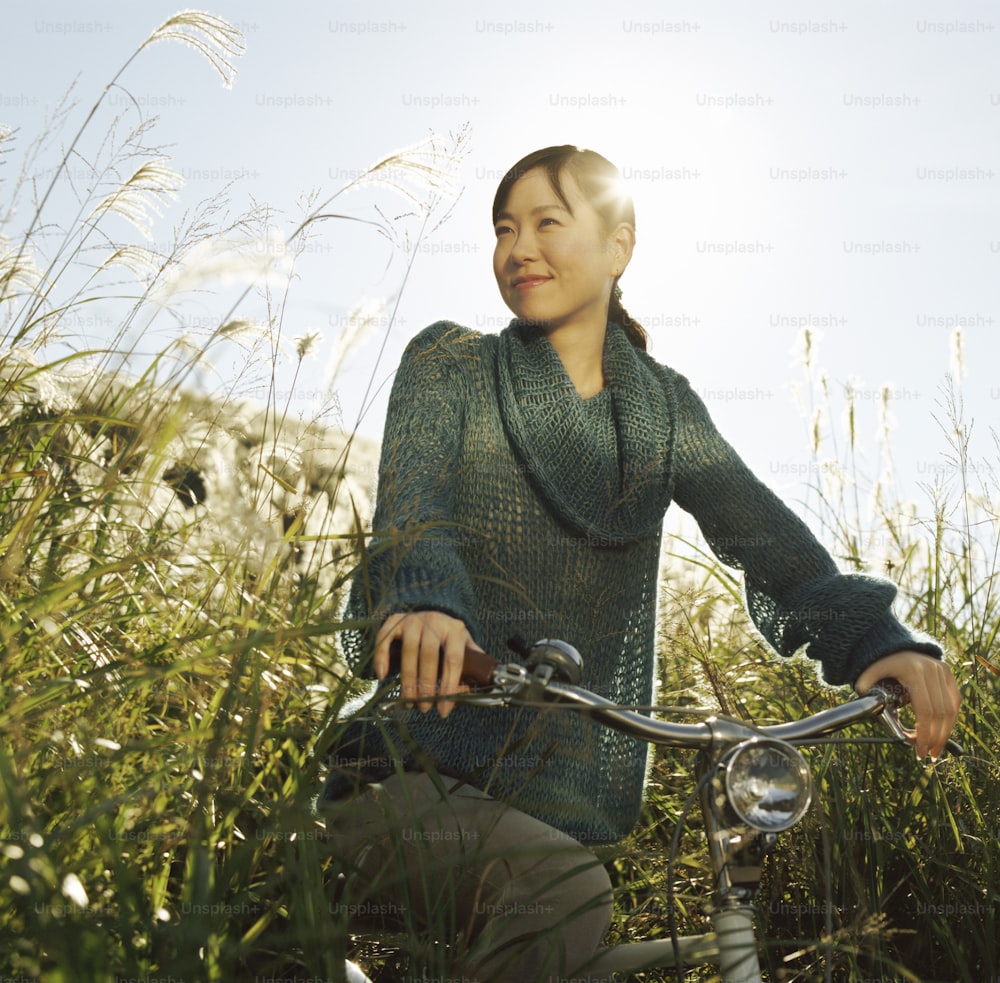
622	242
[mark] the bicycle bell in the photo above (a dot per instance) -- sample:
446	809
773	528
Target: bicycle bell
564	660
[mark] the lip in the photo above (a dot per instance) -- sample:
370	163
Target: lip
526	282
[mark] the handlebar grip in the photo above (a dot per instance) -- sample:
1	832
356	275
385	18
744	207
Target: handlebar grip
477	667
477	670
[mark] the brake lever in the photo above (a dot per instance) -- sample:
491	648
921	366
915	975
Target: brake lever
894	697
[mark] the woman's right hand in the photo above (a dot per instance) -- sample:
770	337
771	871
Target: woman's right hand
432	652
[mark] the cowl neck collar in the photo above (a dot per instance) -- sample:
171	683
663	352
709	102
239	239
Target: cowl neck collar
614	490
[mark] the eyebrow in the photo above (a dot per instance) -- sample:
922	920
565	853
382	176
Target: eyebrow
536	210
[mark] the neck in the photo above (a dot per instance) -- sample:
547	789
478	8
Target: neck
581	351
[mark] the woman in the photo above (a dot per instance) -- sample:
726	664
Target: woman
523	484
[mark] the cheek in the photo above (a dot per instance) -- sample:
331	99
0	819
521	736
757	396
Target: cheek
569	250
499	259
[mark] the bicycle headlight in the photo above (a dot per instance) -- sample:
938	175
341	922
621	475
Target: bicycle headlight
767	784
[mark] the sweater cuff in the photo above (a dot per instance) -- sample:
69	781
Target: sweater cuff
886	636
419	590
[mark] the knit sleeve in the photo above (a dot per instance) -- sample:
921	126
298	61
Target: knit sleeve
411	562
795	594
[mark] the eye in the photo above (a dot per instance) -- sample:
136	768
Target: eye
547	221
502	230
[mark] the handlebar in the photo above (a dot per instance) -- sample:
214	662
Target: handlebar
519	688
494	683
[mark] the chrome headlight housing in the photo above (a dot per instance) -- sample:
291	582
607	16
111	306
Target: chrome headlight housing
768	784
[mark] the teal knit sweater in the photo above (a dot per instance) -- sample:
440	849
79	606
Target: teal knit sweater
511	503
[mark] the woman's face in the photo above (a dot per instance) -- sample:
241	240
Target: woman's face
553	265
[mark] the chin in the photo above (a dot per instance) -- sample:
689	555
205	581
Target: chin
542	324
531	315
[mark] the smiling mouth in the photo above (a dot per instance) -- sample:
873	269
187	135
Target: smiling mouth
524	283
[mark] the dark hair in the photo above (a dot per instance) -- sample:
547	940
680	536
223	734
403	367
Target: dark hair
595	175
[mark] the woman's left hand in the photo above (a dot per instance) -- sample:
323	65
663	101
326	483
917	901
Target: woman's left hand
932	690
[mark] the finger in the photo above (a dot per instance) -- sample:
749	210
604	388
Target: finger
934	715
926	721
427	671
925	708
955	706
386	635
451	671
948	700
933	723
940	722
409	657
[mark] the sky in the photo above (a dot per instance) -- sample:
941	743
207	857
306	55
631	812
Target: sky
830	166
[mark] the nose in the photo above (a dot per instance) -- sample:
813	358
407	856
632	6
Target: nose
524	249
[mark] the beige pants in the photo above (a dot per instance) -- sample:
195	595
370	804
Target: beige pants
524	901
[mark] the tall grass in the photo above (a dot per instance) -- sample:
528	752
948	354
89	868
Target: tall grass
170	574
894	873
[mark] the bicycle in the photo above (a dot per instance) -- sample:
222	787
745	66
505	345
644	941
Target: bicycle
751	782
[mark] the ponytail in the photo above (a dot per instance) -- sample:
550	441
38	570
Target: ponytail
634	331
